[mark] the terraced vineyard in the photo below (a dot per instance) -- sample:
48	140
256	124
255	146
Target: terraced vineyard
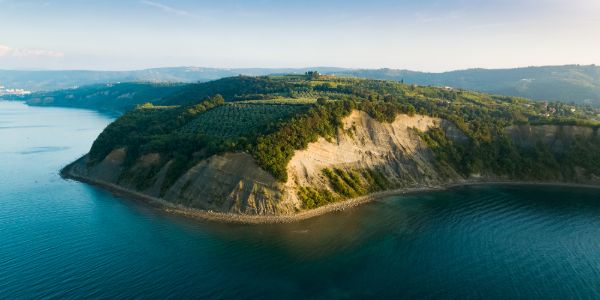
282	101
244	118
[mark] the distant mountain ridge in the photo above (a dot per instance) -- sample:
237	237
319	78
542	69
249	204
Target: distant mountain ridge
570	83
68	79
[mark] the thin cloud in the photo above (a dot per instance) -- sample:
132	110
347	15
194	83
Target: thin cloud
6	51
165	8
423	17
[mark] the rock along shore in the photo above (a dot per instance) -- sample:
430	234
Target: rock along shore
168	207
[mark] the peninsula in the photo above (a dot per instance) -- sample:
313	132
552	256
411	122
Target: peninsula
280	148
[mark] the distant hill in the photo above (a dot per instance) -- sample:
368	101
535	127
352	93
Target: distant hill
571	83
56	80
117	97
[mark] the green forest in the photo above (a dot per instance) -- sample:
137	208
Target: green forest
114	98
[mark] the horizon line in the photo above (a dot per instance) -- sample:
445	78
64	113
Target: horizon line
293	68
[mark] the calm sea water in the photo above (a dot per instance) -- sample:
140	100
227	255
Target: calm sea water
64	239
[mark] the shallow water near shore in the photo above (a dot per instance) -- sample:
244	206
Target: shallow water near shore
65	239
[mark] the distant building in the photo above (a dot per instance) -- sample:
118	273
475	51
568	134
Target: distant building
16	92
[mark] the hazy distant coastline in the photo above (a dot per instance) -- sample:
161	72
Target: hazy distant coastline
579	84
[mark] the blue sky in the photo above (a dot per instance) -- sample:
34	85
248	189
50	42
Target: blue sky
424	35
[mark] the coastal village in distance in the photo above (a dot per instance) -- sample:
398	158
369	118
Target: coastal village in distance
4	91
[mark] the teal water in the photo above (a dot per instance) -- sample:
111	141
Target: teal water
63	239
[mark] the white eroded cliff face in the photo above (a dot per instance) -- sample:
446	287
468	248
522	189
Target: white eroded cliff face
234	183
363	142
393	149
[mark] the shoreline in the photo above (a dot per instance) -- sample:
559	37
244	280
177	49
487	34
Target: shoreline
175	209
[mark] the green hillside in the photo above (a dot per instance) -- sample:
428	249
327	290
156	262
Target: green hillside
119	97
209	118
570	84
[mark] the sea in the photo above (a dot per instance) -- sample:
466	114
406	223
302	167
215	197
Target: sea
62	239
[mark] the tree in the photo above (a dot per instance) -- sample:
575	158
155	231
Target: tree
313	75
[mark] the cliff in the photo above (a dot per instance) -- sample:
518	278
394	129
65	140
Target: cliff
295	145
234	183
362	151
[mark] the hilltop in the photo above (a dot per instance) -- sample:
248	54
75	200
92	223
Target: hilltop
282	145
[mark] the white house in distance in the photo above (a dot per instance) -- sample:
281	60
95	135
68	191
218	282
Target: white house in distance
15	92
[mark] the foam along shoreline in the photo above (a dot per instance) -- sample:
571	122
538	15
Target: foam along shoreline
171	208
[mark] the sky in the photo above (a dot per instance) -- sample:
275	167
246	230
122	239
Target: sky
426	35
